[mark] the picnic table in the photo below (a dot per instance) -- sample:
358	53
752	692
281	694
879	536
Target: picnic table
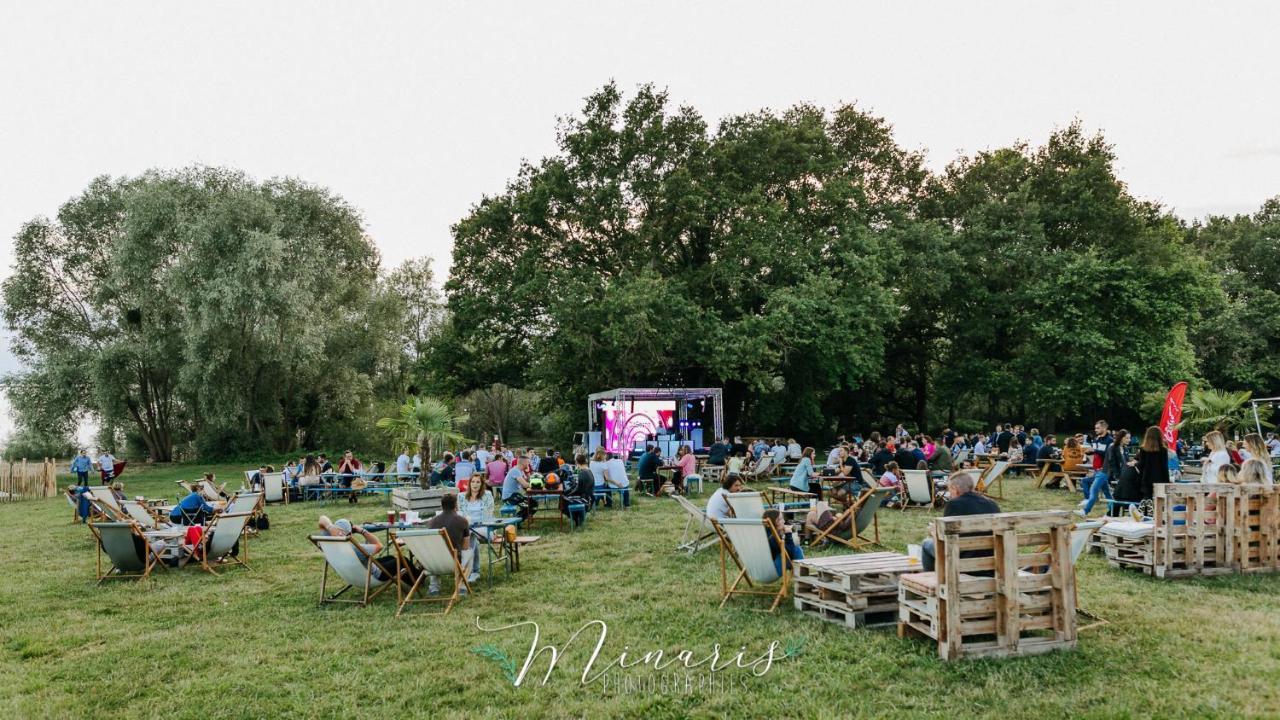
789	494
1045	473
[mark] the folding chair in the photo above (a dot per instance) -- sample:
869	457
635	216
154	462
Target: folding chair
918	489
352	564
121	541
434	553
698	533
863	514
140	514
220	536
746	541
994	475
763	470
1080	534
107	501
746	505
273	488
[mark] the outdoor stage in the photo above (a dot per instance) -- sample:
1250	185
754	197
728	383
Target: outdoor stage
624	419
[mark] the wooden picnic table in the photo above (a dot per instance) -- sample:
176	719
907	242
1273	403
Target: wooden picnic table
787	493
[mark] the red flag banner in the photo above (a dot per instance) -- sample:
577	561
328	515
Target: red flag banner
1172	414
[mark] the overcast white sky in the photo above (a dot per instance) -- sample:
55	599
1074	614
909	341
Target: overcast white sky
413	111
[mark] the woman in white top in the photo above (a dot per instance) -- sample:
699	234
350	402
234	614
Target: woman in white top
600	466
476	505
1216	456
1255	449
1256	472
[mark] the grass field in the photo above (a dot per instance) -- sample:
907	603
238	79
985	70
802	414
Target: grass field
255	644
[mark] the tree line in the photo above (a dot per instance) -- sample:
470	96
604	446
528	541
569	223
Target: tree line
802	259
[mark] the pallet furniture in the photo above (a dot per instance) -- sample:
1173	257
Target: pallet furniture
852	590
1252	528
1004	586
1188	536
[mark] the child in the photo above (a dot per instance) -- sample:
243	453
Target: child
890	479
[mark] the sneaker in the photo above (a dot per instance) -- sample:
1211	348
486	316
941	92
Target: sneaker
433	589
462	590
473	577
1080	512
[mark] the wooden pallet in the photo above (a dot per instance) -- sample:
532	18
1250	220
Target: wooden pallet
852	590
1127	552
1004	586
1188	539
1252	528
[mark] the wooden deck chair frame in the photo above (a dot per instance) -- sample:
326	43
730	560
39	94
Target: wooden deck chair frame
698	533
105	498
993	476
206	537
909	497
370	591
1080	534
405	598
728	551
139	514
150	560
763	470
856	540
103	510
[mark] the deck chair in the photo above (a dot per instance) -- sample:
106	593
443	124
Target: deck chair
103	496
863	511
919	489
140	514
962	458
73	499
746	542
698	533
352	564
994	475
220	536
273	488
746	505
434	553
244	502
121	542
1080	534
762	471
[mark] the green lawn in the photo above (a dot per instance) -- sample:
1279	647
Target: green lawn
255	644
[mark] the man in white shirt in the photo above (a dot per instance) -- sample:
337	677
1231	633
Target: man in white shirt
833	457
718	505
484	456
793	449
402	465
615	474
1273	444
107	463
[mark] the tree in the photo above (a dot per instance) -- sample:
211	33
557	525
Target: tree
199	303
1222	410
424	424
499	411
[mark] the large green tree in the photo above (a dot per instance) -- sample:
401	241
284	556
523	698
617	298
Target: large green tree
198	303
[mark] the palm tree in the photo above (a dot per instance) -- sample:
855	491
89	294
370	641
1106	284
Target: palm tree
424	424
1222	410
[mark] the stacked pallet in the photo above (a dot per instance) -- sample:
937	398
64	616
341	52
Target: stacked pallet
1189	537
852	590
1127	544
1252	528
425	502
1004	586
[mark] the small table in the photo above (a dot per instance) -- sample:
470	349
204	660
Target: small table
172	539
854	590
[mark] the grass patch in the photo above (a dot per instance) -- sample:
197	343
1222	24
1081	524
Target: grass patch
254	643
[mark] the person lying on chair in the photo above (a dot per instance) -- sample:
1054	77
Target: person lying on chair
384	568
820	518
774	517
963	501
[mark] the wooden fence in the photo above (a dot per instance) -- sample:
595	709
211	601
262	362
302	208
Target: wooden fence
20	479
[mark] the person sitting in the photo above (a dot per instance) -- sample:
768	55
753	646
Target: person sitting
579	489
718	505
940	460
496	469
789	551
616	477
348	468
458	528
778	453
384	568
854	483
793	449
687	468
820	517
549	463
718	453
892	478
1030	452
463	470
735	465
963	501
515	486
878	458
192	509
117	491
599	466
648	468
1254	472
804	478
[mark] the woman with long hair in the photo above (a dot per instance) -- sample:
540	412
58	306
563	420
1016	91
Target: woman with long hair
476	505
1152	464
1216	455
1255	449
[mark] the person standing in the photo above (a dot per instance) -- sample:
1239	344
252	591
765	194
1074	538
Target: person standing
107	467
81	465
1152	463
1115	460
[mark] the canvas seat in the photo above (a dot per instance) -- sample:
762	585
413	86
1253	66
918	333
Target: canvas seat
352	565
746	542
698	533
746	505
434	555
863	513
121	542
219	539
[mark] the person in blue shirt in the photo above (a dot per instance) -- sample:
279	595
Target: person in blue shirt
648	468
81	465
191	510
804	478
792	552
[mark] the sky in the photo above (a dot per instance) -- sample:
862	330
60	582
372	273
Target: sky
413	111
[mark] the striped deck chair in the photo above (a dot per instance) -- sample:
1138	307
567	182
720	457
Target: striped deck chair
434	554
698	533
746	505
125	546
353	565
746	542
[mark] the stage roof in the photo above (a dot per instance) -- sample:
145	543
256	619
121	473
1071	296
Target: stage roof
656	394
